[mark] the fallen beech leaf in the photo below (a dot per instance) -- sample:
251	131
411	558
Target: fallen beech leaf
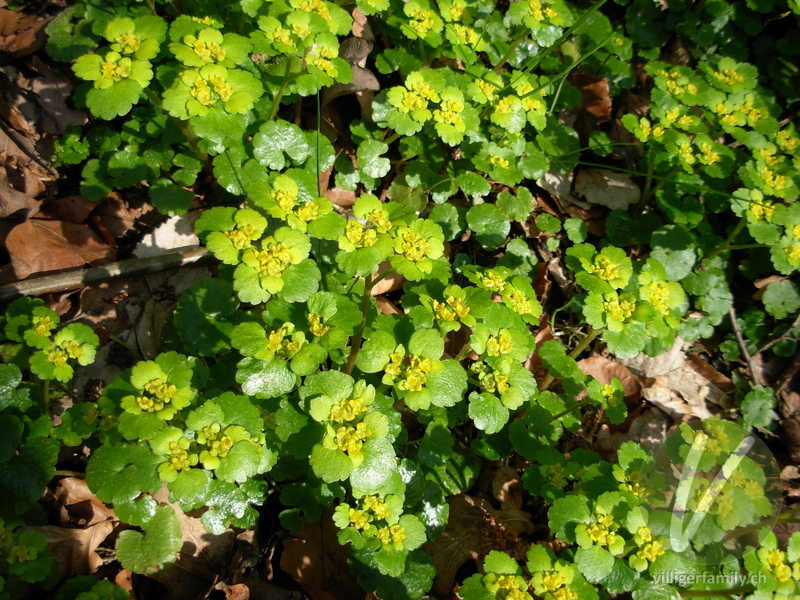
37	246
606	188
74	549
11	199
473	529
604	370
595	93
649	429
386	306
74	209
78	505
20	33
340	197
361	28
202	557
124	579
51	94
389	283
507	487
237	591
318	563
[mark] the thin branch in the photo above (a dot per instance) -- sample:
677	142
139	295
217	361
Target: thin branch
78	278
784	337
754	374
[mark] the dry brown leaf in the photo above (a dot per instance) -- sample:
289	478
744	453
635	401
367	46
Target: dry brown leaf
473	529
389	283
21	34
361	28
318	563
507	487
604	370
116	217
606	188
51	94
11	199
386	306
124	579
78	505
340	197
203	558
595	93
74	549
74	209
648	429
37	246
237	591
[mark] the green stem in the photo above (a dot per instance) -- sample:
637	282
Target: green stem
391	138
588	338
46	396
509	52
319	134
648	186
190	136
726	593
566	411
726	245
705	190
63	473
152	6
355	345
744	246
276	103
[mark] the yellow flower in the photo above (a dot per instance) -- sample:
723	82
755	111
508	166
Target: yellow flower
449	113
241	236
651	551
416	375
422	22
359	236
413	246
316	326
498	345
359	519
710	157
729	77
499	161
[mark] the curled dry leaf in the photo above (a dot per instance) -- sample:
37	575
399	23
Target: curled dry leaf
474	528
38	246
13	200
595	93
361	28
74	549
78	506
340	197
507	487
386	306
389	283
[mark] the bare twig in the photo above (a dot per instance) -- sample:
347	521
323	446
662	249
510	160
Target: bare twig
78	278
754	374
781	338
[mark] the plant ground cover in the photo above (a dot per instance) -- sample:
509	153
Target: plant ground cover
500	300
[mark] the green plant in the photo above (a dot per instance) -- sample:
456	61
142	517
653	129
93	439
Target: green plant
281	374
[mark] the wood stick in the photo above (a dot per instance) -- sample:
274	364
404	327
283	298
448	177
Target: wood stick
78	278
